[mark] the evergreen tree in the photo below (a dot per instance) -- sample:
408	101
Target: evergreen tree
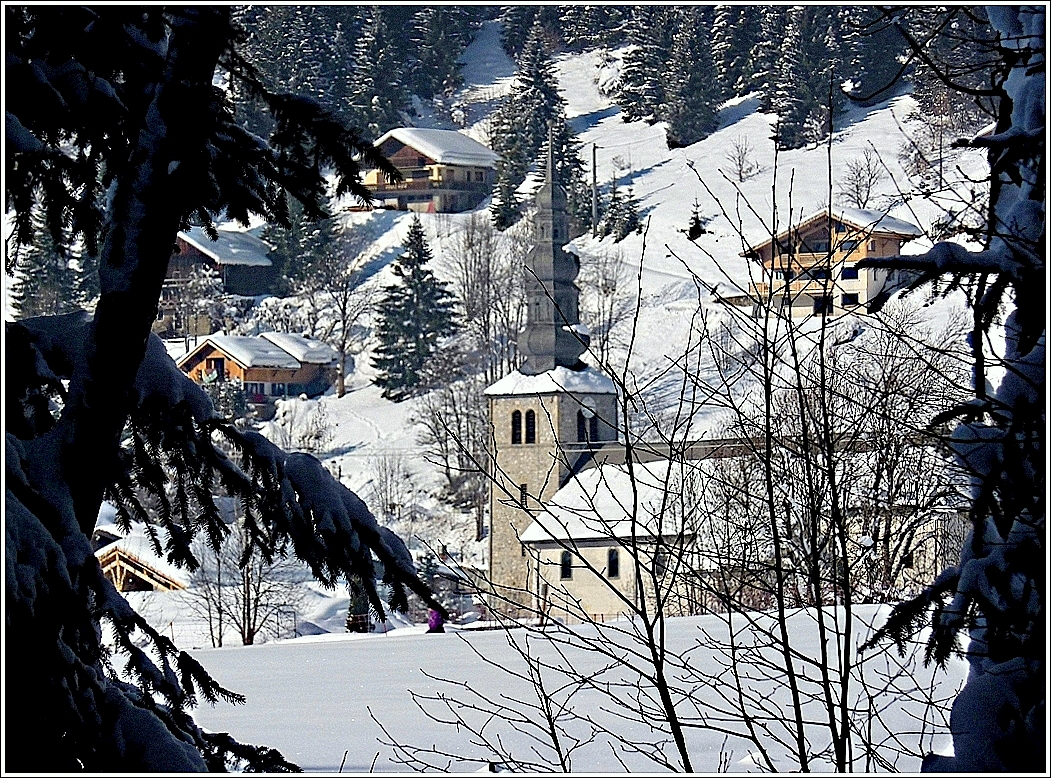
766	54
535	97
875	45
693	89
414	315
45	284
620	217
569	170
642	91
378	96
516	22
437	37
730	47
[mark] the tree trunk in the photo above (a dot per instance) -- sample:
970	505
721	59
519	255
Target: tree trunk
150	196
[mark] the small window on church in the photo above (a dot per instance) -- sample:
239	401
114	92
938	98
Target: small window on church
582	429
523	495
566	572
516	428
593	427
530	427
613	563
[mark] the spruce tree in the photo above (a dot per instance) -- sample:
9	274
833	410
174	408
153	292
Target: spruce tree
766	54
414	315
642	90
378	95
693	90
45	284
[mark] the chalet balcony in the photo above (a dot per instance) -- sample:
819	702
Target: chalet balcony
809	286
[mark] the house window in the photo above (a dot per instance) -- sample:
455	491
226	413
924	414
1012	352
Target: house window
566	571
523	495
530	427
819	274
849	274
216	365
613	563
255	391
582	428
850	246
516	428
593	427
872	245
840	227
421	161
660	564
277	390
479	176
907	561
822	305
850	299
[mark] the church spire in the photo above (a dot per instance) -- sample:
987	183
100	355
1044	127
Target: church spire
551	338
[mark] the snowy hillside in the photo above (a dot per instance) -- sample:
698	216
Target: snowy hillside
670	185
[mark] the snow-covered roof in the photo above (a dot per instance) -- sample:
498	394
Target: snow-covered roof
230	247
248	352
561	379
876	221
447	147
306	350
138	545
872	222
597	504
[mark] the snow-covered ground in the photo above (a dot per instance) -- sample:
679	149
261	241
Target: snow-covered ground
318	699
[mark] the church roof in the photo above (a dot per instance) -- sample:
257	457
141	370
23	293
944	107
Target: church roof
561	379
446	147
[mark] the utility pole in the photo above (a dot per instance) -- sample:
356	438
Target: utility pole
594	193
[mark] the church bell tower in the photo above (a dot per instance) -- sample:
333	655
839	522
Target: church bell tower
548	416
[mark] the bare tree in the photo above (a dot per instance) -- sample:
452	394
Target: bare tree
607	302
238	587
860	179
741	158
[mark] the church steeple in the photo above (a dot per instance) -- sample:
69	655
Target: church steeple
550	338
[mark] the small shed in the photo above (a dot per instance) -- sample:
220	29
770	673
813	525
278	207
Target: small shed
240	257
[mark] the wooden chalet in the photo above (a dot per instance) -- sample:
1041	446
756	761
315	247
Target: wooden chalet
812	267
132	565
443	171
239	258
267	366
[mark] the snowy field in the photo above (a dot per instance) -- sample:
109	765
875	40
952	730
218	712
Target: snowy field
318	699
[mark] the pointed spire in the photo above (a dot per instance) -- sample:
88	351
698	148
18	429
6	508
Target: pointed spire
550	153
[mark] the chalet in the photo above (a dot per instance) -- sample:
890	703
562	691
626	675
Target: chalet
812	267
268	366
239	258
443	171
131	563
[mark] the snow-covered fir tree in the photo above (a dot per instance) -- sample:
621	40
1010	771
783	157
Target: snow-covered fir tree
693	91
766	54
45	281
642	88
378	96
437	38
414	315
148	127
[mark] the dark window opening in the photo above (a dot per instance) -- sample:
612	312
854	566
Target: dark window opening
822	305
523	495
593	427
906	561
849	274
516	427
840	227
530	426
277	390
851	245
582	430
660	564
850	299
217	365
613	563
566	571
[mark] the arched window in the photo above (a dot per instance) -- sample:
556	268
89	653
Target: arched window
530	427
566	571
593	428
516	427
613	563
582	428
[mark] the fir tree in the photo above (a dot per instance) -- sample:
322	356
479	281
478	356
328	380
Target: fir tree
437	37
642	82
45	284
693	90
414	315
378	96
766	54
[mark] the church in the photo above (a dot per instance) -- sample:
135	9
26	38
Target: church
551	415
